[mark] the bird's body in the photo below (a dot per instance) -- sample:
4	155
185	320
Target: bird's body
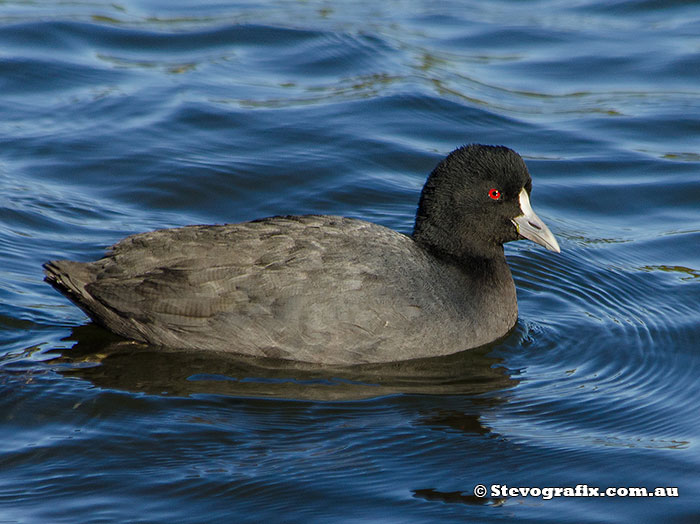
313	288
310	288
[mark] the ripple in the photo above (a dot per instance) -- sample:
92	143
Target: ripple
567	390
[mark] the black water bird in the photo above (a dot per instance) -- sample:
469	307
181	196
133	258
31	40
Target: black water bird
327	289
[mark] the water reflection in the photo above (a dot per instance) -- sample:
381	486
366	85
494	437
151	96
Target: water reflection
113	363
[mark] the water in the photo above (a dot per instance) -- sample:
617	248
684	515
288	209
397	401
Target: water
117	118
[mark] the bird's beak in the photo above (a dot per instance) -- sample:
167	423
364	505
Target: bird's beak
530	226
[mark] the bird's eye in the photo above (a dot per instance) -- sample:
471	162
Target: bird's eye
494	194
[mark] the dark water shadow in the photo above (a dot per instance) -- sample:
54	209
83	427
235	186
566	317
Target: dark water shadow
457	497
113	363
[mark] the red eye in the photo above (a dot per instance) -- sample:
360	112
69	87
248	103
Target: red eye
494	193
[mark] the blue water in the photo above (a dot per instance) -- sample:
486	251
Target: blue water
117	118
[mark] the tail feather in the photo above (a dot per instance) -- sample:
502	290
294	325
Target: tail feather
73	279
70	279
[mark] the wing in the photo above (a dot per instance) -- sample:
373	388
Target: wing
287	287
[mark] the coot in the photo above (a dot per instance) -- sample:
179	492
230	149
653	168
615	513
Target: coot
327	289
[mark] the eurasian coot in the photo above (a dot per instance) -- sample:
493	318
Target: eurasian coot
327	289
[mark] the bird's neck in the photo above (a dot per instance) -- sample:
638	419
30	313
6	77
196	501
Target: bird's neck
461	250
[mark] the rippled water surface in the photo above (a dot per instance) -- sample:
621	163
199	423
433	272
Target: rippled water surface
120	117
